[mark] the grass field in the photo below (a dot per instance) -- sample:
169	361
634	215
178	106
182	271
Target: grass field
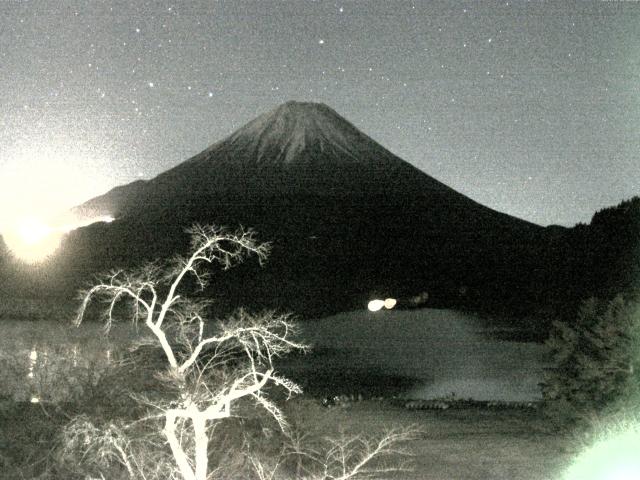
421	354
466	444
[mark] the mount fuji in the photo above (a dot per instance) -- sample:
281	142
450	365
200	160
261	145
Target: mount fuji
348	220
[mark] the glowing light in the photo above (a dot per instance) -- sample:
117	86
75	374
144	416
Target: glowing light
615	458
39	179
375	305
32	230
35	400
31	240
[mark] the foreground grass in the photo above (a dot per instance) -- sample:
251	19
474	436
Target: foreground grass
465	444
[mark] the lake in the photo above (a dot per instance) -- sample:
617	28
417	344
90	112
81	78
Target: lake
420	354
444	351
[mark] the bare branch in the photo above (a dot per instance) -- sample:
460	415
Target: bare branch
206	388
356	457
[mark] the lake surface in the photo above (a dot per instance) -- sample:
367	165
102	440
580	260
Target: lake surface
445	351
437	352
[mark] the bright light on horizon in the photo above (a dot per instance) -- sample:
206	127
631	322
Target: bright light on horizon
32	240
46	177
39	181
31	230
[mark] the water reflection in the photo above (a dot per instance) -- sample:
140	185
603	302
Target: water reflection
54	372
33	359
74	350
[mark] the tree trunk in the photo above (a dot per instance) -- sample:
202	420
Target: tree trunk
202	445
176	448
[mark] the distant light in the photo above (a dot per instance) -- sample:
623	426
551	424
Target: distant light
378	304
419	299
321	42
35	400
389	303
375	305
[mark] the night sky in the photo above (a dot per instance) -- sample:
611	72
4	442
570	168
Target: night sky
532	109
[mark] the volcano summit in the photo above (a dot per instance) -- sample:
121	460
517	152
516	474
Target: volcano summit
298	149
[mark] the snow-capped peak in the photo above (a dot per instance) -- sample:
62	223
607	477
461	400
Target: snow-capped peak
293	127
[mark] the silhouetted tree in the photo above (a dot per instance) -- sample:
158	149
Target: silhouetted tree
596	359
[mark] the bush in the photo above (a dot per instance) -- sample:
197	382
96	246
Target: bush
596	361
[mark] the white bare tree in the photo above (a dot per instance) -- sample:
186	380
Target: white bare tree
202	361
348	457
212	366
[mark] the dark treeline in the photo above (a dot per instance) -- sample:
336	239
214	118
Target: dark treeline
319	266
599	260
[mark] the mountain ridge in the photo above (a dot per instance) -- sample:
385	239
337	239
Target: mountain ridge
298	148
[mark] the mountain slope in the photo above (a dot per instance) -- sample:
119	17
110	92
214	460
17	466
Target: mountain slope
298	149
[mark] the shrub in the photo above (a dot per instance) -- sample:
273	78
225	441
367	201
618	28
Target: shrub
596	360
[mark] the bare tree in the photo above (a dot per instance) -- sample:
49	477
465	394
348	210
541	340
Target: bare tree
202	361
211	367
348	457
